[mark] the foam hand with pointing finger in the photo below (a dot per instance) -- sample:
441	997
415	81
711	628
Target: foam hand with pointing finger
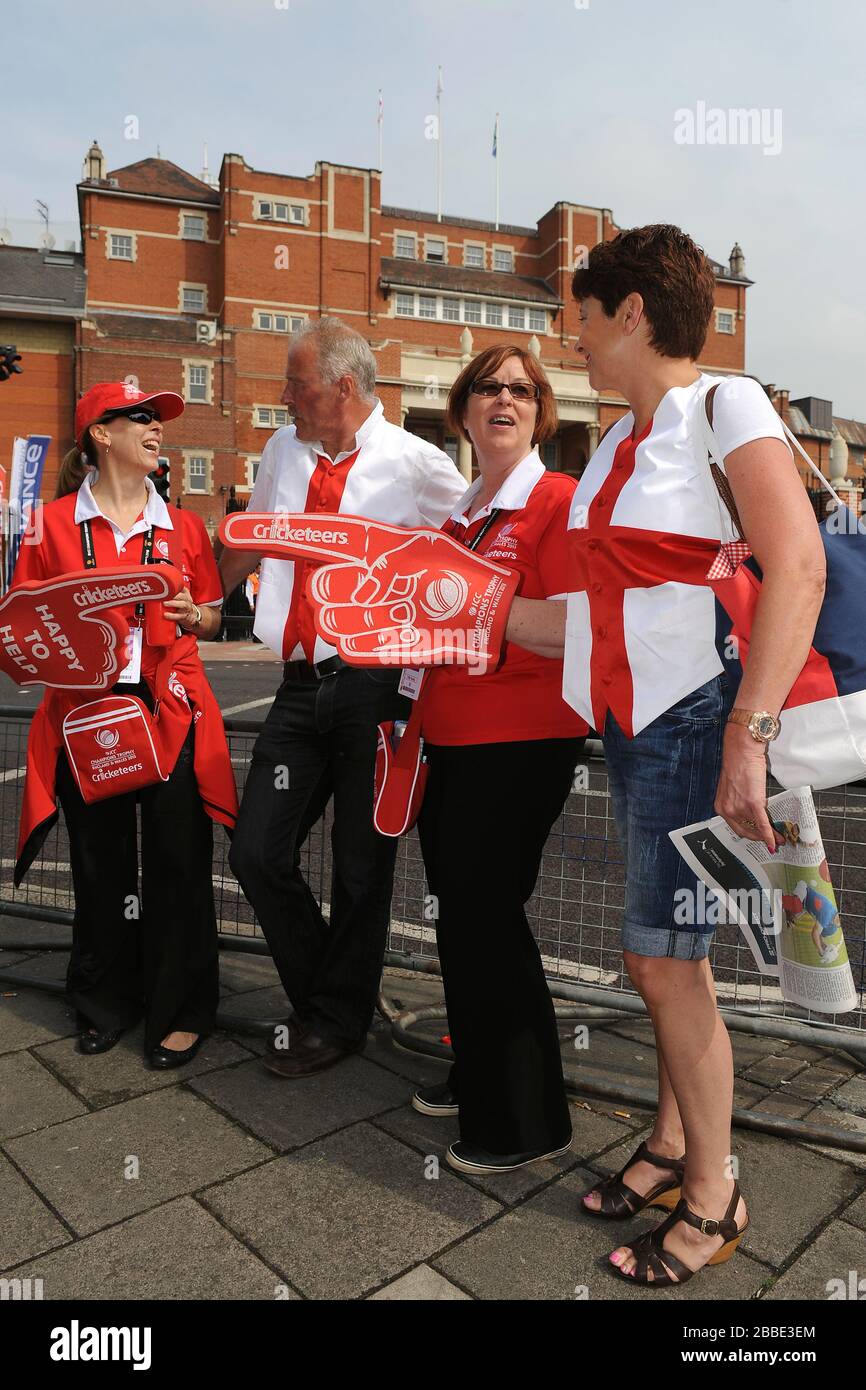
67	632
387	594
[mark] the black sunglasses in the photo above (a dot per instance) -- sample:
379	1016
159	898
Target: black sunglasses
520	390
138	414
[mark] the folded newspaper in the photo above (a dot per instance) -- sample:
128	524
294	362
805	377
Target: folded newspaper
784	902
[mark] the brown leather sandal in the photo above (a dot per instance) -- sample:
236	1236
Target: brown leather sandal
667	1269
619	1201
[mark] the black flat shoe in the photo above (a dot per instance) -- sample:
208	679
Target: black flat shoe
165	1058
467	1159
435	1100
92	1042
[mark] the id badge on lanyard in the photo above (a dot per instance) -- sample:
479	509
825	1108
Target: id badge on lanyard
130	674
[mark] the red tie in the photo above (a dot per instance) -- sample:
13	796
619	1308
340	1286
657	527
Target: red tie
324	494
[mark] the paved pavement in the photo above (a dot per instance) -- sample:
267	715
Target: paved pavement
223	1182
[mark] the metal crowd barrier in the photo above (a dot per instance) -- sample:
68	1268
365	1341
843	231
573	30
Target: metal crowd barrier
575	911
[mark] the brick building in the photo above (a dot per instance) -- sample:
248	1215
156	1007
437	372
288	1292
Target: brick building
197	288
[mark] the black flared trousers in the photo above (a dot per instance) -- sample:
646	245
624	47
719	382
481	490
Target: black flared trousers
487	813
148	950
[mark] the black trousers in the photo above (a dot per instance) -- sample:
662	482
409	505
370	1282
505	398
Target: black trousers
155	955
319	741
487	812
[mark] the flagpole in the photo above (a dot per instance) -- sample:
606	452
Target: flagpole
380	122
439	148
496	141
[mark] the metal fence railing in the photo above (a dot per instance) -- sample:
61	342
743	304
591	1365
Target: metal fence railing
575	911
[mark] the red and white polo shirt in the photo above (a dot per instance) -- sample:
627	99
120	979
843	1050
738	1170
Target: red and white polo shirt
641	627
390	475
522	698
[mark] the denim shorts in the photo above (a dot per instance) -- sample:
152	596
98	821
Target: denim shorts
662	779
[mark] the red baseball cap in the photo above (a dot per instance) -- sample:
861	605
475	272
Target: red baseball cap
120	395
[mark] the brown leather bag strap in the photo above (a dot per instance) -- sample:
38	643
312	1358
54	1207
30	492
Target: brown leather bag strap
720	478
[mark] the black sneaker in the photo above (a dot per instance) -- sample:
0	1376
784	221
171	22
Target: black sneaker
467	1159
435	1100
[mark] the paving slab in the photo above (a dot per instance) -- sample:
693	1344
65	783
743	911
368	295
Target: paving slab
838	1254
842	1120
634	1029
123	1072
856	1213
180	1144
784	1105
287	1114
850	1157
49	966
269	1002
853	1094
29	1017
789	1192
749	1048
178	1251
814	1084
23	932
32	1098
342	1215
547	1249
8	958
770	1071
242	973
621	1057
28	1226
421	1285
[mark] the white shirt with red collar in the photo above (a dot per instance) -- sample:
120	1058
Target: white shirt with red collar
641	626
391	475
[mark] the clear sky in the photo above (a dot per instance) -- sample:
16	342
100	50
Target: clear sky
589	93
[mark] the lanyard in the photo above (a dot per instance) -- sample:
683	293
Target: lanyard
90	556
474	544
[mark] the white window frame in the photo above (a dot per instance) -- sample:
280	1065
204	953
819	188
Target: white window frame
544	326
475	246
294	322
291	205
441	241
510	311
400	301
728	314
473	307
192	285
249	482
451	318
271	423
427	301
406	236
206	456
201	217
110	234
191	364
504	251
495	307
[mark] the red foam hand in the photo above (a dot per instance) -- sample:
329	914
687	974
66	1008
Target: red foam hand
67	633
394	596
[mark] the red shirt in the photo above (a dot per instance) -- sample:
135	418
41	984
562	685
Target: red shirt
522	698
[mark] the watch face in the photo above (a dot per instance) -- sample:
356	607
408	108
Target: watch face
765	725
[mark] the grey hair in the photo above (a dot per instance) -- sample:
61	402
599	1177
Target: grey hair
341	352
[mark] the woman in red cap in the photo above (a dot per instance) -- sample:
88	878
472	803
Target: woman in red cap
150	951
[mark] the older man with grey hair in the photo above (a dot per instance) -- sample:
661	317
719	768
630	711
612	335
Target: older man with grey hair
319	739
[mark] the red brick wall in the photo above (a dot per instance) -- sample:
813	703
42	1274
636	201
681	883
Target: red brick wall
42	399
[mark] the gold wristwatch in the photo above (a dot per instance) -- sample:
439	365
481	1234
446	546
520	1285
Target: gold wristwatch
762	725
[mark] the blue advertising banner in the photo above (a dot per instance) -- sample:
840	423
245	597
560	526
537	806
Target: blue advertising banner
27	470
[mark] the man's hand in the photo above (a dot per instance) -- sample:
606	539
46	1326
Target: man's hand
395	596
66	632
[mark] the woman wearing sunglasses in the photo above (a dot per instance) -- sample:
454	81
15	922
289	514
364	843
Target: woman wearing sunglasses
146	951
502	748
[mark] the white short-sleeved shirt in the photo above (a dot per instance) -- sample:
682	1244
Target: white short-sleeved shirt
663	484
391	475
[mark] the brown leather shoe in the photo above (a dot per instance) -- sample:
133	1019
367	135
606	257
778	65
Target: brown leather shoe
311	1055
288	1034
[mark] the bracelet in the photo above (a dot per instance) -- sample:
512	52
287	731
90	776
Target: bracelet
197	622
